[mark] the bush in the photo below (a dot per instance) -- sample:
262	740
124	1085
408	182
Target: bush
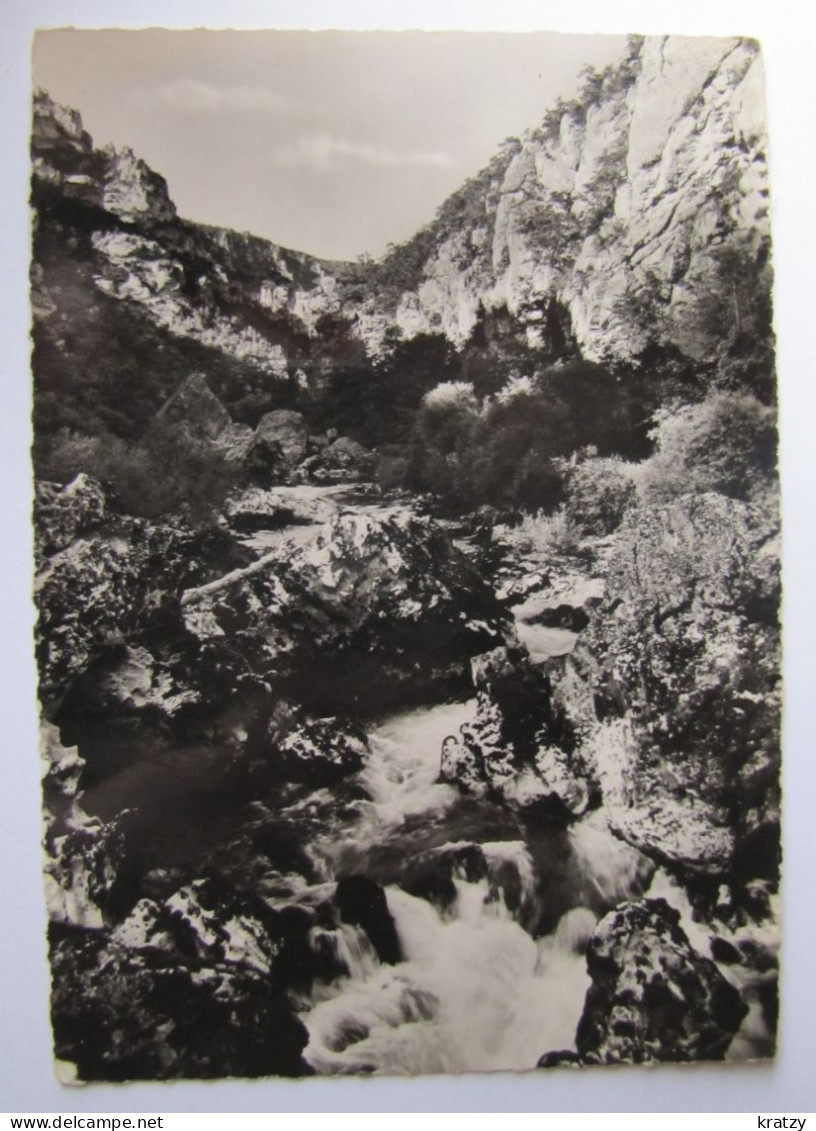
166	473
392	467
599	492
726	444
547	535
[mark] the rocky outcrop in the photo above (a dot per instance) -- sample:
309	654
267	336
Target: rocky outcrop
518	747
114	180
370	607
132	191
107	592
612	223
317	751
674	690
135	1012
225	291
652	997
83	855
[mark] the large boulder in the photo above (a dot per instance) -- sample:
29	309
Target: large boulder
674	689
284	433
109	588
197	415
125	1012
653	998
341	460
187	984
319	751
518	746
371	610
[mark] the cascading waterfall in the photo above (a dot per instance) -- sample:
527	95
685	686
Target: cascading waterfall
475	991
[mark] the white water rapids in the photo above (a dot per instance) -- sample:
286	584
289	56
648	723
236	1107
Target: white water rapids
475	991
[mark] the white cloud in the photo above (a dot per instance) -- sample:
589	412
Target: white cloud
325	152
195	97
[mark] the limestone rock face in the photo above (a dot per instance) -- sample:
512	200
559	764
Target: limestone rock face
674	688
133	191
62	152
608	223
228	292
609	228
652	997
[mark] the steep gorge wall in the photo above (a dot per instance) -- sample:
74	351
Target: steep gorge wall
620	208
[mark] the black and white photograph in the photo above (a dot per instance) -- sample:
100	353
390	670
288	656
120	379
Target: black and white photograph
407	552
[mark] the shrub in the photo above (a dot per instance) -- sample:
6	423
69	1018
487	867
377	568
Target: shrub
726	443
392	469
599	491
547	535
166	473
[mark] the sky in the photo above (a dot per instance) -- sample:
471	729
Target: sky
334	143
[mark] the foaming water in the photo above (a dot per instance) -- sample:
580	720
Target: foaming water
401	774
611	868
475	990
475	993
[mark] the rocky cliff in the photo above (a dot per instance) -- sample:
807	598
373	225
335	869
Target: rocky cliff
632	219
614	221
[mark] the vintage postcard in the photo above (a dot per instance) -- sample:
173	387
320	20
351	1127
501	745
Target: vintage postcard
407	576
